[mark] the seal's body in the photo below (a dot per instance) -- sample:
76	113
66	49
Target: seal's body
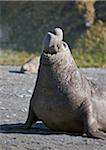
63	98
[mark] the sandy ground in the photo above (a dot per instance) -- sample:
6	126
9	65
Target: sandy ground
15	93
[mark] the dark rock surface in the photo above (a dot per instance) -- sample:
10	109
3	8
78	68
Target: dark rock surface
15	93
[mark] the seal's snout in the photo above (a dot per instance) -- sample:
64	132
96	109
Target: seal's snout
59	33
52	41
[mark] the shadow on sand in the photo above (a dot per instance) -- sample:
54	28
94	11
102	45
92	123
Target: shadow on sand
38	128
16	71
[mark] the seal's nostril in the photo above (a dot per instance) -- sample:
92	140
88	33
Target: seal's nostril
58	46
52	46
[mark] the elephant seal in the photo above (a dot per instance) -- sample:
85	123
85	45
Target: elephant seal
31	66
63	98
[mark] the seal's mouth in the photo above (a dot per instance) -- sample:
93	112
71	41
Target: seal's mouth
51	50
51	45
54	49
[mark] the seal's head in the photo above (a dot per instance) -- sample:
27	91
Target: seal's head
53	42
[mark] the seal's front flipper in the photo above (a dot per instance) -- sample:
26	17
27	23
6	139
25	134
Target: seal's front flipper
96	134
91	128
32	118
90	123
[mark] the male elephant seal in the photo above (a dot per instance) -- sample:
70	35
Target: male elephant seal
63	98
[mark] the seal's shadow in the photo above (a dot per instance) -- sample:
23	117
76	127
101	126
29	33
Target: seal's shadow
16	71
38	128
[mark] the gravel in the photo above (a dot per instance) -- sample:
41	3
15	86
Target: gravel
15	93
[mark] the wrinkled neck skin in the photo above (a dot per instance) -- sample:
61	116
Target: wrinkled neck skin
65	73
61	59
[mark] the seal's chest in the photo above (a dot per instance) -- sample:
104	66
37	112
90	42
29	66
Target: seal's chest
54	108
51	104
50	100
57	113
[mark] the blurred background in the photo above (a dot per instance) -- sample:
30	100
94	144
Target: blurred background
23	25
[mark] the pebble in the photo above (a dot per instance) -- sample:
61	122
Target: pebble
24	110
8	116
30	91
2	108
23	95
14	115
19	95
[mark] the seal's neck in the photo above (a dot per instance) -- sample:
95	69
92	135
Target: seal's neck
61	59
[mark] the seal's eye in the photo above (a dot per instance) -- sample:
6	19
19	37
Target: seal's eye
64	45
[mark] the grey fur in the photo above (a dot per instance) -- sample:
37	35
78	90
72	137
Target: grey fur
63	97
